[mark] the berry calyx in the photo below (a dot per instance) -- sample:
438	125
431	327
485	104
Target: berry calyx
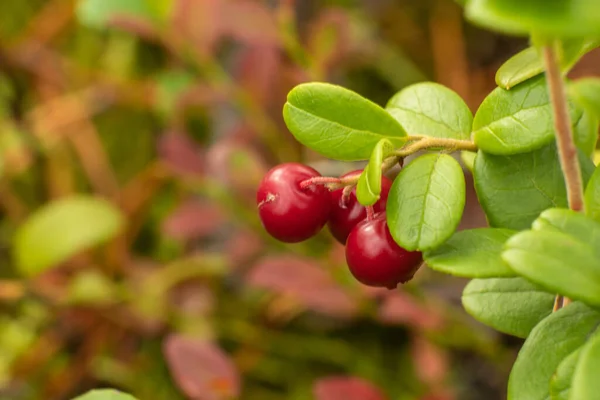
289	211
347	212
375	259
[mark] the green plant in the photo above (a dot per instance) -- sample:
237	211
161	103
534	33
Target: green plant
535	136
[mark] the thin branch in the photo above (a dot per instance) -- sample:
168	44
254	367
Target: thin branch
562	125
429	143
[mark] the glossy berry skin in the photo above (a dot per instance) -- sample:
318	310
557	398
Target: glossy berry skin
288	212
375	259
347	212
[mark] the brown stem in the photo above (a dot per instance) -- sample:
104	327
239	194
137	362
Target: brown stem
370	213
319	180
564	135
567	150
430	142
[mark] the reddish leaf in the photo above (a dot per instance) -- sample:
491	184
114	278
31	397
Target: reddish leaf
431	362
237	165
400	308
250	22
242	246
346	388
181	153
258	72
192	220
199	22
305	281
200	369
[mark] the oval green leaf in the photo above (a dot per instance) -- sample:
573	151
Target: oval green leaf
578	225
592	196
62	229
550	342
432	109
426	202
473	253
585	129
519	120
586	93
510	305
585	384
522	66
468	159
105	394
368	188
560	384
338	123
557	261
527	63
514	190
565	18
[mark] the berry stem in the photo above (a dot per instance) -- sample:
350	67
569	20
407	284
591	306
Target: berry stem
370	213
430	142
319	180
567	151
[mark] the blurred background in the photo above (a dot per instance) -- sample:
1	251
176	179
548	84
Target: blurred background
169	111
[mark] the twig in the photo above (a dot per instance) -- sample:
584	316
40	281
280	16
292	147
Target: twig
430	142
564	136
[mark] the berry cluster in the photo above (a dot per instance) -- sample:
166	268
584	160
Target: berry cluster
294	204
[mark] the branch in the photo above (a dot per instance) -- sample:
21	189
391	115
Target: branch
567	150
430	142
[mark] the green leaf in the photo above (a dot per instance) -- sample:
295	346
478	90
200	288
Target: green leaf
170	85
426	202
560	384
468	159
549	343
563	18
585	129
105	394
368	188
558	261
570	222
510	305
99	13
592	196
514	190
585	384
518	120
522	66
62	229
473	253
432	109
337	122
586	93
527	63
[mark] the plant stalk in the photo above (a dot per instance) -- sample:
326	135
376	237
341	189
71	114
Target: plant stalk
567	151
431	142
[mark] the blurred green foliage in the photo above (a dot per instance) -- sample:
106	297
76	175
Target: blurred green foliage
170	111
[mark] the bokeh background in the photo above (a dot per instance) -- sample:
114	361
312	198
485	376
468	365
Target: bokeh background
171	111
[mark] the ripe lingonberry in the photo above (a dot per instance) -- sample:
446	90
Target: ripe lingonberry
346	211
375	259
290	212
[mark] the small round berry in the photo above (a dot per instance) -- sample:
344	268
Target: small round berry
346	212
375	259
289	212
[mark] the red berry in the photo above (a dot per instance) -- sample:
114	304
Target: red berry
375	259
288	212
347	212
